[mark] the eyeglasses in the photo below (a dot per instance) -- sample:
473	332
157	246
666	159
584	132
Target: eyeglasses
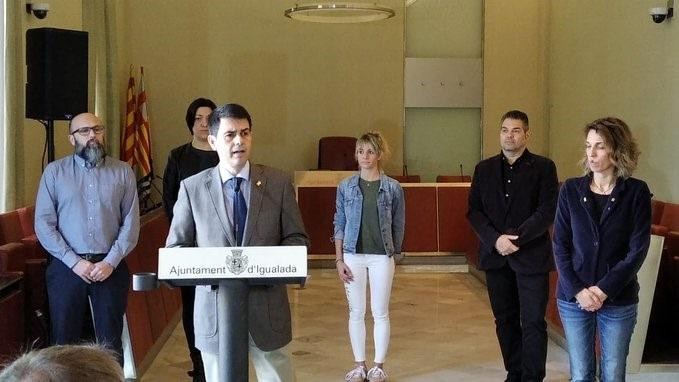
85	131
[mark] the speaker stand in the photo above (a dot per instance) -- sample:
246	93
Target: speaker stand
49	138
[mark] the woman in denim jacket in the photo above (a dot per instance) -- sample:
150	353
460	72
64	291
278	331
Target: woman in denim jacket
369	225
601	236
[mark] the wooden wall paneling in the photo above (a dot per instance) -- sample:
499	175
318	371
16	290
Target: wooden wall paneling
138	319
317	205
156	230
421	209
455	232
472	253
148	259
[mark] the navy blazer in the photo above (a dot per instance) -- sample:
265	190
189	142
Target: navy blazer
607	253
527	213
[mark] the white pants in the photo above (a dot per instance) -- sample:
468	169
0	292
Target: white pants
380	270
270	366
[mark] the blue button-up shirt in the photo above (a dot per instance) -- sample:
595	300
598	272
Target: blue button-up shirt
87	210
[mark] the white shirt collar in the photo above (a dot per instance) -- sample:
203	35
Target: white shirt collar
244	173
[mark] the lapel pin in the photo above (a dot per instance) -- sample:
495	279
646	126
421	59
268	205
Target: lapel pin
584	199
259	183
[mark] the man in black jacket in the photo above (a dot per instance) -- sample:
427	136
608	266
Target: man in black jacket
511	206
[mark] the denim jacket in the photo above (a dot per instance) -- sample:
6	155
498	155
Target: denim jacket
390	208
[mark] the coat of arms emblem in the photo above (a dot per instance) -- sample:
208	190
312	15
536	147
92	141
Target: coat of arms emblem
236	262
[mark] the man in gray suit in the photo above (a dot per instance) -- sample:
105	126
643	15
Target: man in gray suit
240	204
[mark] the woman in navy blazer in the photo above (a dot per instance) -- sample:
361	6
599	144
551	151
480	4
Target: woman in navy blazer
601	235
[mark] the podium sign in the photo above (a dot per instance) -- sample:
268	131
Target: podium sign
235	270
219	263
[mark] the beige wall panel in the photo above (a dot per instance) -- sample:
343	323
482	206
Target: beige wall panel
300	81
609	58
438	140
515	68
444	28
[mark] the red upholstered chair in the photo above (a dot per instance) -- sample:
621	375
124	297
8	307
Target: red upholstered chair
26	218
668	226
453	178
665	217
337	153
12	252
657	207
12	258
406	178
10	227
670	216
29	239
26	255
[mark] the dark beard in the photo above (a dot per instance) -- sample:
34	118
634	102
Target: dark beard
92	152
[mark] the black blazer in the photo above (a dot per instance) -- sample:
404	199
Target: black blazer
607	253
527	213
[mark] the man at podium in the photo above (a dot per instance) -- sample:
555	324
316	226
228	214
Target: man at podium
240	204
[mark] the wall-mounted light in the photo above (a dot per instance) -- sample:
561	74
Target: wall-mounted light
659	14
339	12
39	9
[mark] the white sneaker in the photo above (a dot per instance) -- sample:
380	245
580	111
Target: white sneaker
376	374
356	374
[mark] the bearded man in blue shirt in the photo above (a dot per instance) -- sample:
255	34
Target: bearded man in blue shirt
87	218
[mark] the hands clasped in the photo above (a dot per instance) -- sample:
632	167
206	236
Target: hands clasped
89	271
504	245
591	299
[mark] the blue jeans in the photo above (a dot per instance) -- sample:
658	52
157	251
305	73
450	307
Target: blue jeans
614	324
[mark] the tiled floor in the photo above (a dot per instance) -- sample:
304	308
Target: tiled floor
441	330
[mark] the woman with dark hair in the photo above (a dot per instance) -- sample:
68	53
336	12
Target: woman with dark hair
601	236
184	161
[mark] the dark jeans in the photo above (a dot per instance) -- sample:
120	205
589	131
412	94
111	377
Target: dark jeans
188	296
519	302
68	300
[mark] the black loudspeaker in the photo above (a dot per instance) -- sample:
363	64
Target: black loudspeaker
56	60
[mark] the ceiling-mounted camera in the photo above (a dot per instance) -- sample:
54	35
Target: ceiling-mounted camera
39	10
660	14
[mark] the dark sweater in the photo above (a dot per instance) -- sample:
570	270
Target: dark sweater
183	162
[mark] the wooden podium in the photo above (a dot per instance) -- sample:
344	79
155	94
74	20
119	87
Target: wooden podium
233	270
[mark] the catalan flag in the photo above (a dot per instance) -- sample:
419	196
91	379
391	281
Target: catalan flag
127	148
142	152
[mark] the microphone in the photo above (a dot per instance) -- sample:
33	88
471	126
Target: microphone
461	173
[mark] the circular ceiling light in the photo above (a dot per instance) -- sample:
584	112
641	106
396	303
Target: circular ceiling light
340	12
